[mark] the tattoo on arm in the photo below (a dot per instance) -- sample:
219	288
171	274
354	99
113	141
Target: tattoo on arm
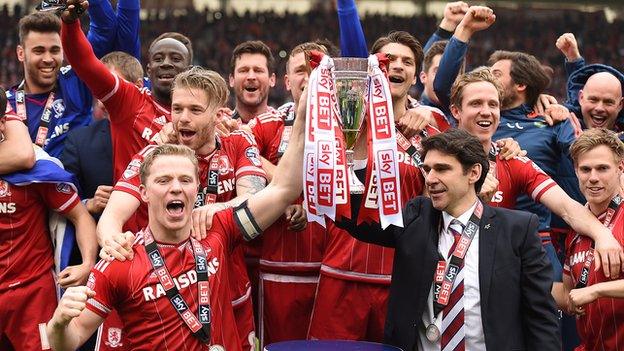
249	185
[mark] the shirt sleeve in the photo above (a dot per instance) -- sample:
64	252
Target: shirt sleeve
130	180
352	40
533	180
226	228
100	281
60	197
264	128
102	26
247	156
128	25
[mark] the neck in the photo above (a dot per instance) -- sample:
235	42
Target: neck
32	88
597	208
399	106
462	205
487	145
207	148
247	113
169	236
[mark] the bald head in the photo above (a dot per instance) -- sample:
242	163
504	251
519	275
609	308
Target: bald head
601	100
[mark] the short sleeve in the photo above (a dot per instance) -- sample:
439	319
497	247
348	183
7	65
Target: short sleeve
60	197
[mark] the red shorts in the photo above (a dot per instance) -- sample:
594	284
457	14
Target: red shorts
24	312
349	310
243	315
286	303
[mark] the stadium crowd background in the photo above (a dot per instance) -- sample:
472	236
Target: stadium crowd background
215	34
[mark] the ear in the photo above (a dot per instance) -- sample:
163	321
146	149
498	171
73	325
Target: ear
21	55
580	96
423	77
231	80
272	80
139	83
149	69
474	173
143	192
455	111
520	87
287	82
620	104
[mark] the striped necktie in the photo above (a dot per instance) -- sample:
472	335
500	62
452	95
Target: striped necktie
453	332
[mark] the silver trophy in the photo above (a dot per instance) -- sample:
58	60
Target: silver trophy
351	88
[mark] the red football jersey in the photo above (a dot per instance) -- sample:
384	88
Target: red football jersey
519	176
150	322
285	251
25	246
602	326
351	259
238	157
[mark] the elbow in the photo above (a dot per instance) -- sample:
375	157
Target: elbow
26	158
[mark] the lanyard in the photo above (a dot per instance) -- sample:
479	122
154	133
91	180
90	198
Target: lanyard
288	123
208	195
412	147
446	273
612	211
44	122
200	324
492	159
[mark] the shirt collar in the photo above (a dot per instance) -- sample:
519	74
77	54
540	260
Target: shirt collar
463	218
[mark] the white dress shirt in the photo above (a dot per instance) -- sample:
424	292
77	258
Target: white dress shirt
474	339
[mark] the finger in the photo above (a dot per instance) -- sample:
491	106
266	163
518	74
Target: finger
202	223
195	220
606	266
597	261
548	119
622	260
125	247
115	250
614	260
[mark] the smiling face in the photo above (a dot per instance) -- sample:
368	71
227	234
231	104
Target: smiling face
167	58
169	191
402	70
193	119
599	174
479	113
511	97
251	80
601	101
42	57
450	188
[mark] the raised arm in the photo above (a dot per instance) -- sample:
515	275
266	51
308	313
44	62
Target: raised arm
102	27
352	40
80	55
128	26
476	19
568	46
609	251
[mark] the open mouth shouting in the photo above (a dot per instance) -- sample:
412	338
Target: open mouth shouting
186	135
396	79
598	121
175	209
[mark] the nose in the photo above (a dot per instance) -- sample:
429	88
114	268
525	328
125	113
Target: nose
176	186
48	57
593	176
167	62
431	178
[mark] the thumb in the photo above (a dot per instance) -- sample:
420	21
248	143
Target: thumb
90	293
597	262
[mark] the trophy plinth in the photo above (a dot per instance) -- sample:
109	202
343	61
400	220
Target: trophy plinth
351	88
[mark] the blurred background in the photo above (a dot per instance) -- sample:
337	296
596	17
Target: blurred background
217	26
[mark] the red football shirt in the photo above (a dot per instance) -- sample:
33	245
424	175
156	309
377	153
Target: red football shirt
285	251
602	326
150	322
351	259
519	176
25	247
238	157
135	117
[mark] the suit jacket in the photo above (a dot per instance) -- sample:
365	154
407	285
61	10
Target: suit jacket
88	154
515	277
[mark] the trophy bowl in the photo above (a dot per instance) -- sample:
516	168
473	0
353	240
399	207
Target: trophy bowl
351	74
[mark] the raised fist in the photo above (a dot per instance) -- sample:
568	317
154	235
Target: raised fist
478	18
74	9
568	46
453	14
71	305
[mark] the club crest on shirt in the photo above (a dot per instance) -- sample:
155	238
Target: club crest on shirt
58	106
132	170
253	155
63	188
114	338
4	189
224	165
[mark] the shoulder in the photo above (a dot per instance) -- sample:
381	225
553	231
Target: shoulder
419	208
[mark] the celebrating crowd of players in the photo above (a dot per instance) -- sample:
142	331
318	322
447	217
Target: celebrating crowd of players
236	264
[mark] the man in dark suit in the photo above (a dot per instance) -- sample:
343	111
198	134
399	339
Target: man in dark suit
492	278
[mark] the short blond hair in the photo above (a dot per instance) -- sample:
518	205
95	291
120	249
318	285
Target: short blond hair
479	74
166	150
594	137
211	82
